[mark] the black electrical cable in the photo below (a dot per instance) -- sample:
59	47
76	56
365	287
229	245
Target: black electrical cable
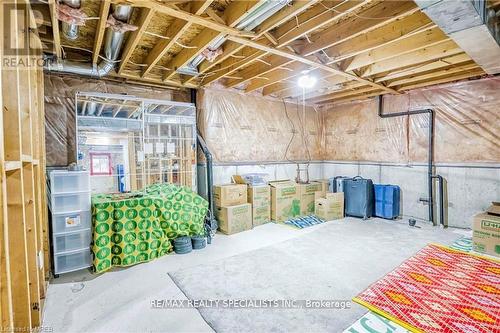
293	132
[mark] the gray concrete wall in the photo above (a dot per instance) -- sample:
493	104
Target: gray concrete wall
470	188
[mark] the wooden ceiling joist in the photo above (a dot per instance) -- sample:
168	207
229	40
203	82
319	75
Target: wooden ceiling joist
355	49
174	32
319	16
395	31
413	43
421	68
464	75
233	14
470	66
308	61
232	64
258	69
287	72
387	11
135	36
341	94
438	51
230	48
55	28
101	25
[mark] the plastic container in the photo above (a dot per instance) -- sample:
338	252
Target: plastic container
69	181
71	242
256	178
62	223
73	261
387	201
359	197
70	202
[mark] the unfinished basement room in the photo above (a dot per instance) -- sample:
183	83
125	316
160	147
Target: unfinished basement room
267	166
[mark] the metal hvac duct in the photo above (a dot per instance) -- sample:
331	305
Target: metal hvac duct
253	19
70	31
113	42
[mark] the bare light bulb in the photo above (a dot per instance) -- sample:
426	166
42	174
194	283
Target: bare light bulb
306	81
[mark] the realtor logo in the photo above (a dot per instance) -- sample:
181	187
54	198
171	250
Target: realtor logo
21	44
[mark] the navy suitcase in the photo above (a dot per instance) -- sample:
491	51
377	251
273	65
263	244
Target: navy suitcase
359	197
387	198
336	184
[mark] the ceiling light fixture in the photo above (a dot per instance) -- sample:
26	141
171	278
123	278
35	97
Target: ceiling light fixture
306	81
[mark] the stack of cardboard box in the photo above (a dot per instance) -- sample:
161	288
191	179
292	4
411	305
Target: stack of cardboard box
232	210
242	206
486	231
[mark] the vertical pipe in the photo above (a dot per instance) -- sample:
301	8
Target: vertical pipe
430	157
209	172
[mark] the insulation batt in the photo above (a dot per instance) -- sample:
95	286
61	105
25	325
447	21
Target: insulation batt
239	127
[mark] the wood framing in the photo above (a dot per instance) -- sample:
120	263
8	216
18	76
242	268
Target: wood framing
23	231
371	42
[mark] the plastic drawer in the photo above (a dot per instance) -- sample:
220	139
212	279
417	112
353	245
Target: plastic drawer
74	261
71	222
70	202
70	181
73	241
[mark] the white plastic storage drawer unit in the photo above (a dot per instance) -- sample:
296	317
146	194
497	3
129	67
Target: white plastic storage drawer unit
72	261
69	222
71	241
69	195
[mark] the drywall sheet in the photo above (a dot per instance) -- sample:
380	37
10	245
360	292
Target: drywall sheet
239	128
467	126
60	122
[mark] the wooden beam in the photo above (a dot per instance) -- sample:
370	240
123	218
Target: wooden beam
233	64
135	36
431	66
234	13
231	48
258	69
456	77
387	11
55	27
308	61
192	18
100	29
320	15
323	86
174	31
197	45
411	44
342	93
351	98
401	28
279	74
441	50
284	14
433	74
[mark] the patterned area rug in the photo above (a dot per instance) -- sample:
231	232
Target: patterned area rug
439	290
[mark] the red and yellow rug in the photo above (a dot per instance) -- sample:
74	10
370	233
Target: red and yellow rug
439	290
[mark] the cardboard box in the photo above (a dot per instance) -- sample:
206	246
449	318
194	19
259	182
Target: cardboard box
230	195
234	219
331	207
324	185
260	198
494	209
486	234
307	197
285	202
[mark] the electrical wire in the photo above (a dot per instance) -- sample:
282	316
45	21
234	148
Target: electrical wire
293	133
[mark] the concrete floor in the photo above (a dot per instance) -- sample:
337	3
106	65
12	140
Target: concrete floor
120	300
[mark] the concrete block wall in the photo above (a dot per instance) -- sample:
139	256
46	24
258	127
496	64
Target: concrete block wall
470	188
